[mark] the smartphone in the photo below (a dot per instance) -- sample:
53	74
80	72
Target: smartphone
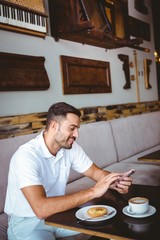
133	171
129	174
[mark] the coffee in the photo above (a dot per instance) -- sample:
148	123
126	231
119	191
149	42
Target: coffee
138	200
138	205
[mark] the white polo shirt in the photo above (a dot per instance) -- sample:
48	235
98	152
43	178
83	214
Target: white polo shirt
33	164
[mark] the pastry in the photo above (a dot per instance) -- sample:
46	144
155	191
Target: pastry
97	211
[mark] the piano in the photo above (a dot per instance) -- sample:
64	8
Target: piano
22	18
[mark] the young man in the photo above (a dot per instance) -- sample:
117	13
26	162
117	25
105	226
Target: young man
39	172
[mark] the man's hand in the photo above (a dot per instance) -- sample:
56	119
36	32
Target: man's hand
104	183
124	182
105	180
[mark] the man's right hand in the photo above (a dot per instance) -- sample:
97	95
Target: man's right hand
104	183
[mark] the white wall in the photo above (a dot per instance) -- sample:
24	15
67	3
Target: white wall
21	102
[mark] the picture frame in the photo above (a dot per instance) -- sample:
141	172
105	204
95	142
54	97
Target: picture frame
82	76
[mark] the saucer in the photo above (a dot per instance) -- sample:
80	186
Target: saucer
150	212
82	213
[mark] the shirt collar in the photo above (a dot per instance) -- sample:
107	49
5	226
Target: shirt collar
46	153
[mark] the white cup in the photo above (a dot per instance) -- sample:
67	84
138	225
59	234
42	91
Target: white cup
138	205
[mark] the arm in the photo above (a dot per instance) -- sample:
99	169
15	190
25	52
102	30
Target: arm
121	186
44	206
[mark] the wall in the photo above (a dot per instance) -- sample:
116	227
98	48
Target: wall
14	102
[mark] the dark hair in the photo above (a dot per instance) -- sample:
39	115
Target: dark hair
60	109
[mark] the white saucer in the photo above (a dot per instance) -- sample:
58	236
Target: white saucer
82	213
150	212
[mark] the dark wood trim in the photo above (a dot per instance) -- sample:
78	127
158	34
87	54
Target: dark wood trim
21	72
82	76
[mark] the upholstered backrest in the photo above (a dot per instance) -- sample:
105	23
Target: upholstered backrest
7	149
97	141
136	133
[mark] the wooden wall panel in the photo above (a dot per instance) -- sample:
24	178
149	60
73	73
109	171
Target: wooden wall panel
82	76
11	126
21	72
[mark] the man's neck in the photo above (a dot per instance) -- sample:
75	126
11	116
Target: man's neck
52	147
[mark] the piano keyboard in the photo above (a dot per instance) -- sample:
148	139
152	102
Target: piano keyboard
23	19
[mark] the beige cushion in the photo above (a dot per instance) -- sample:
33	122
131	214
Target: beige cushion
7	149
136	133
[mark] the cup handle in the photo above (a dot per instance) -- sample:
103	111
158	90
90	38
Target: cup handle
129	209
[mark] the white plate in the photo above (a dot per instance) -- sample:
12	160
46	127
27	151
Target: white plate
82	213
150	212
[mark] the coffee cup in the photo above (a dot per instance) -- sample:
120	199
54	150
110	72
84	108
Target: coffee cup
138	205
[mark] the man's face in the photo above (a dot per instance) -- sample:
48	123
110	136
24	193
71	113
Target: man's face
67	131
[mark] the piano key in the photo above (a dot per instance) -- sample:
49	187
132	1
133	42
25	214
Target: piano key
3	11
21	18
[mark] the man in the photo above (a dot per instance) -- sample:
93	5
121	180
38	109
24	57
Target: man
39	172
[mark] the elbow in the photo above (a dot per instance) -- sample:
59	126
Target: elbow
40	213
40	216
43	212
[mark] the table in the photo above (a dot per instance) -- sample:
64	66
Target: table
151	157
120	227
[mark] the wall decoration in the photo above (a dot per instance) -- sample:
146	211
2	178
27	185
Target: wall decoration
24	16
102	23
140	6
136	75
147	63
138	28
125	60
22	72
82	76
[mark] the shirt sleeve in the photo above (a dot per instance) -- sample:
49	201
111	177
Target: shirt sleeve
26	168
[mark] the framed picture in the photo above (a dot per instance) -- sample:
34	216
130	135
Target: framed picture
82	76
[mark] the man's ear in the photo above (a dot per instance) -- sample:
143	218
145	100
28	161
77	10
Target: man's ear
54	124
